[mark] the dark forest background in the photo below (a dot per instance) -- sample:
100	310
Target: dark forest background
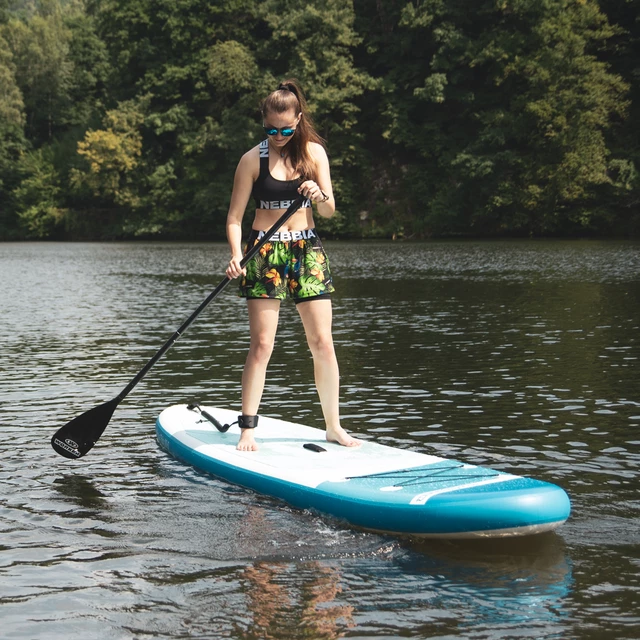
125	119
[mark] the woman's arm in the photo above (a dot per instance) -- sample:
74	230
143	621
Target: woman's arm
316	190
242	186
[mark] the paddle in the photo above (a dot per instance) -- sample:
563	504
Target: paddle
78	436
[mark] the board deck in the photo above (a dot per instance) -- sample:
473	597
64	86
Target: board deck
375	487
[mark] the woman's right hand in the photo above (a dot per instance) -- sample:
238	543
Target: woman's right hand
234	269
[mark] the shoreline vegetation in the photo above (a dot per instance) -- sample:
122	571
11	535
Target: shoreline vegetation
125	119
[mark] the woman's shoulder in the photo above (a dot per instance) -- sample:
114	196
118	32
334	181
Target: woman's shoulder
250	161
317	151
252	154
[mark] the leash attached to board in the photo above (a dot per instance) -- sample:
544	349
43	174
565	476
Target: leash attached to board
222	428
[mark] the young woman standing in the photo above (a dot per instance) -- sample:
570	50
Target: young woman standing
292	161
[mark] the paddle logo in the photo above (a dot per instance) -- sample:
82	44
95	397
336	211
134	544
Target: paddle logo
68	445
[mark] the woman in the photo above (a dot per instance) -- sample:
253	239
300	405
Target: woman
291	161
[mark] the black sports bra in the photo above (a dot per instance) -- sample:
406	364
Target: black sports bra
270	193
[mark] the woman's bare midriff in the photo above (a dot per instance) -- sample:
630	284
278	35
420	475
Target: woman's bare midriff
300	220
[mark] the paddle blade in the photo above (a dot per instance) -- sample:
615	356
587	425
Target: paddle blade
77	437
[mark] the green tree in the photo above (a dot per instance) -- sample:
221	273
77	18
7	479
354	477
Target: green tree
4	11
39	196
112	156
12	142
497	116
58	66
11	103
86	92
44	70
620	204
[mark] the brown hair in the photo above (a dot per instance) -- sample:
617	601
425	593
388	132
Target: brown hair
289	96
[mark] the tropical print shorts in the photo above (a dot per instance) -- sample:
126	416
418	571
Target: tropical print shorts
292	264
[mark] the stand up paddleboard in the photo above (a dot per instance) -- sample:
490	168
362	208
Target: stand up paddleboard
374	486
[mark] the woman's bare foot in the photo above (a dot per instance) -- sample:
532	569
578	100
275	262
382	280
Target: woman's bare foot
339	435
247	441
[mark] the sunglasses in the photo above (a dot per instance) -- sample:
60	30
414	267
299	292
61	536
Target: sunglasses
272	131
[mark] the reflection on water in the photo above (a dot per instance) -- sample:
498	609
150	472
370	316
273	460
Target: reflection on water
294	601
522	356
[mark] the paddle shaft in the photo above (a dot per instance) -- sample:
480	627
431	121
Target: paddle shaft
295	205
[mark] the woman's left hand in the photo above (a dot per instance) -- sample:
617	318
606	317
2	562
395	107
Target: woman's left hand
311	190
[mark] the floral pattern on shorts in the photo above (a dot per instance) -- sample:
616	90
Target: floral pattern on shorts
298	269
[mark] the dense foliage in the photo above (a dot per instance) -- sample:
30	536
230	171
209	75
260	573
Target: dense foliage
126	118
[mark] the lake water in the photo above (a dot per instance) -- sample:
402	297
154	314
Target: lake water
518	355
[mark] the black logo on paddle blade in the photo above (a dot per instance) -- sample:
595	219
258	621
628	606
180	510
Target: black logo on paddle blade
68	445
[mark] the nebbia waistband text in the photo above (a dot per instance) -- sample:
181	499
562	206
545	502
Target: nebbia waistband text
287	236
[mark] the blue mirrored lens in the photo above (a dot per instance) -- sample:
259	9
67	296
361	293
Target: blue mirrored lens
272	131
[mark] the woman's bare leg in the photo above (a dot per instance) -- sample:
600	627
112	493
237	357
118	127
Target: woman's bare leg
263	325
316	317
